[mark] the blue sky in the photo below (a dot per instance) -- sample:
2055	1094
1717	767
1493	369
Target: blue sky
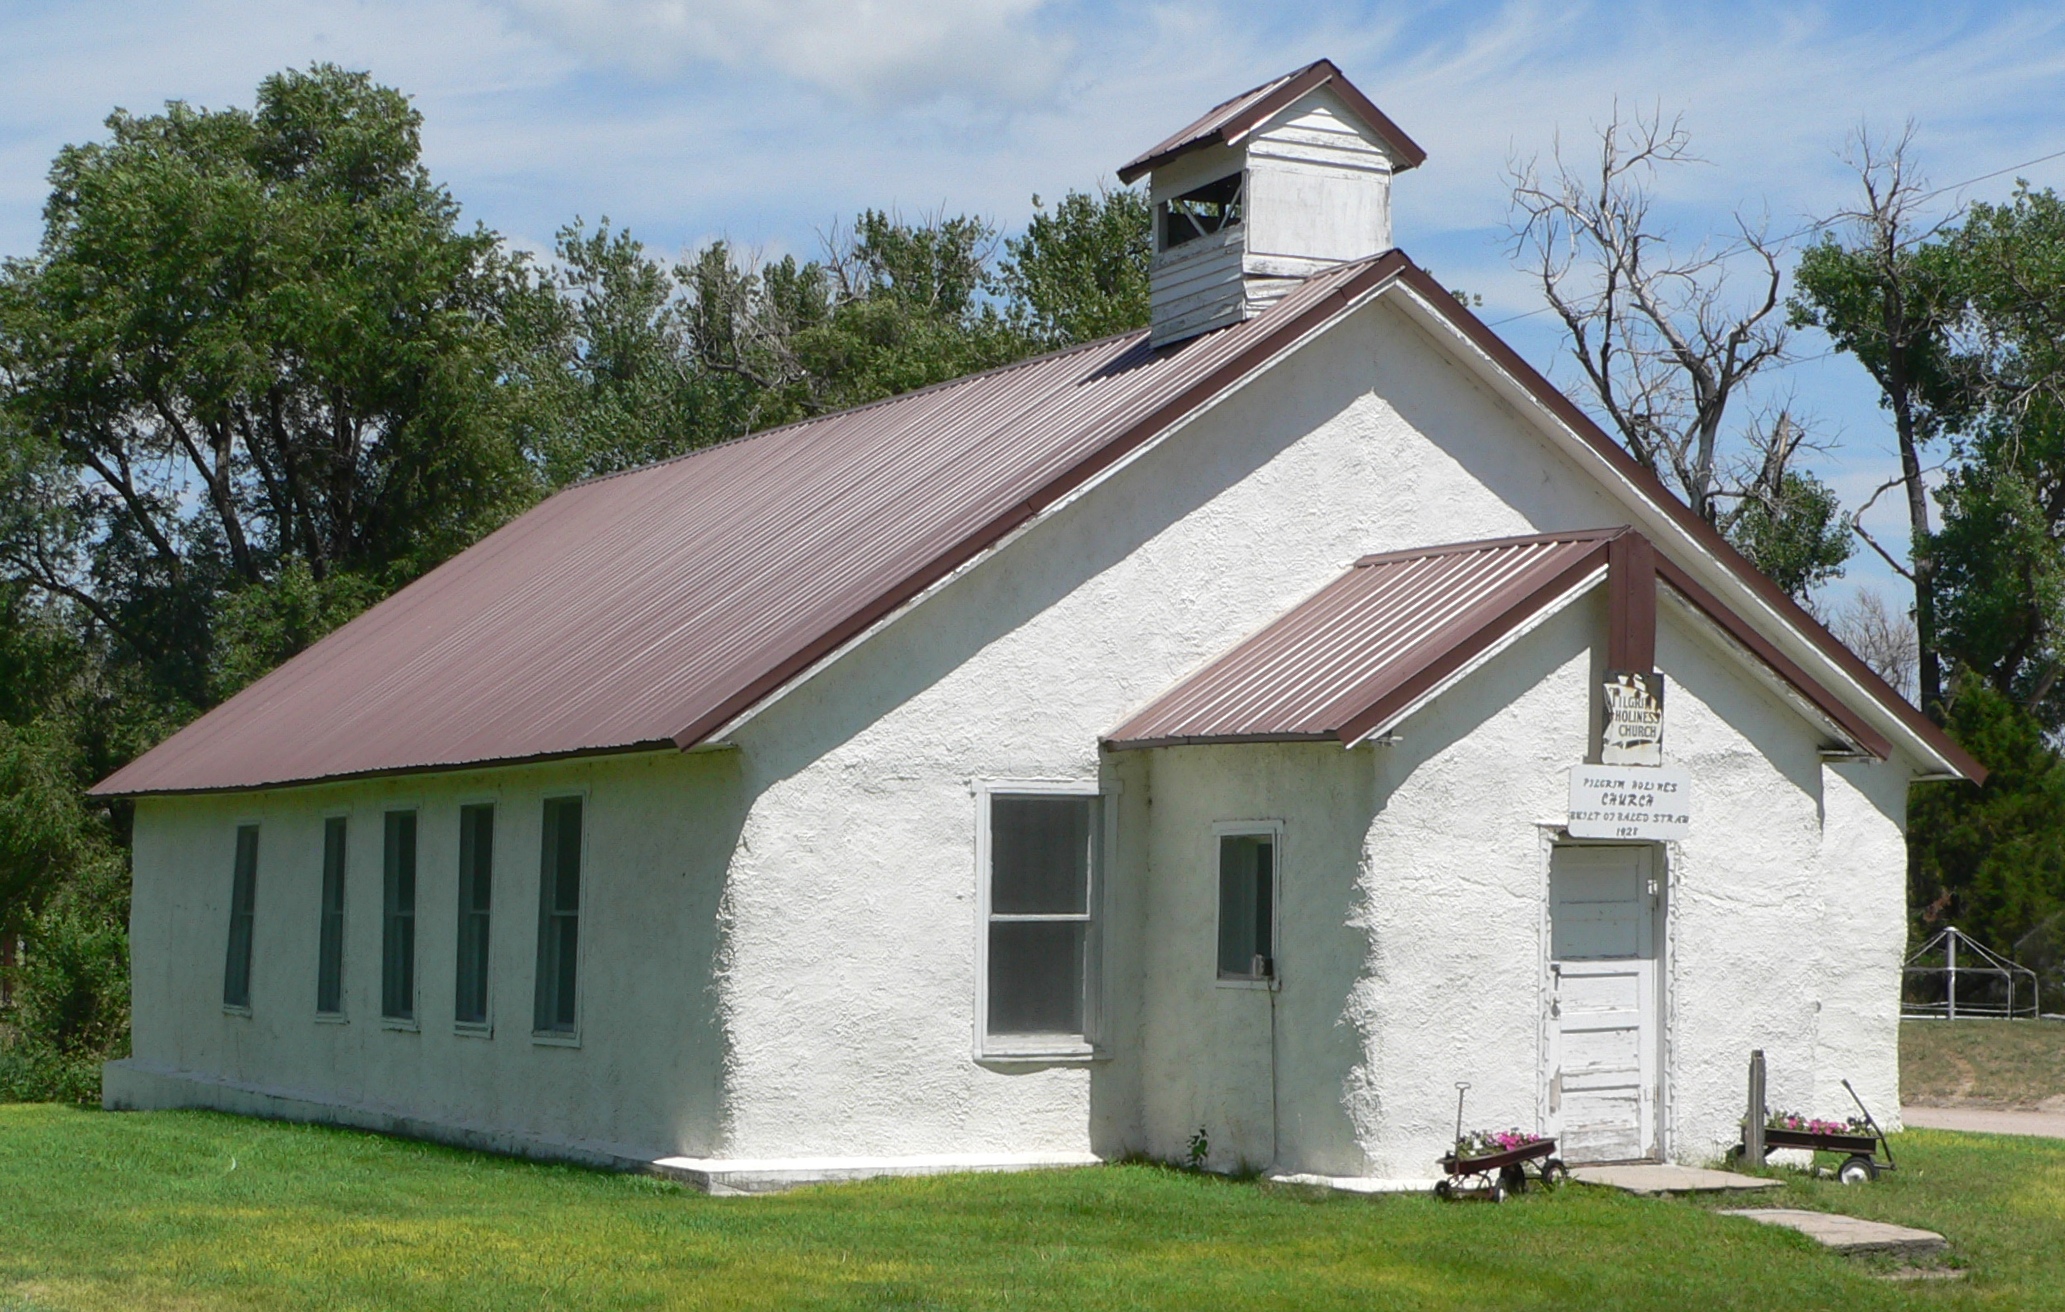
763	122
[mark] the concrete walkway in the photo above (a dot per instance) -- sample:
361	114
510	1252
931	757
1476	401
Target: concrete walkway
1986	1120
1848	1234
1651	1178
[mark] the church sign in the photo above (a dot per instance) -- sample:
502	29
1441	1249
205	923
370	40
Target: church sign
1633	730
1644	803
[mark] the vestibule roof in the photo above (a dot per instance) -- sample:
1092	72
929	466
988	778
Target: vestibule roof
1369	648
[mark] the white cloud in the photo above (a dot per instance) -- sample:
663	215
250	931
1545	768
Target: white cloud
879	52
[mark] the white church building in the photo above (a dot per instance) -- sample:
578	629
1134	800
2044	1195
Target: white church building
1236	725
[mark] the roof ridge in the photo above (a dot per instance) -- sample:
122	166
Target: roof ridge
940	386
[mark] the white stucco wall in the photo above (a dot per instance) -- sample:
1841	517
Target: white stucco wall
780	955
647	1072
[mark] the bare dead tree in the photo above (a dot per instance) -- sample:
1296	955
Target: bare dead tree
1874	295
1664	342
1883	638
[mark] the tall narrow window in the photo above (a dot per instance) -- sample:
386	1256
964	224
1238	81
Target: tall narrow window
559	915
329	970
1039	916
243	897
476	890
398	918
1247	906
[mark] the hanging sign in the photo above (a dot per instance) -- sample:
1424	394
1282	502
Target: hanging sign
1633	731
1647	803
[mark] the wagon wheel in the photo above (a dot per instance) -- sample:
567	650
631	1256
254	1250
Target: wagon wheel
1514	1178
1497	1194
1554	1172
1444	1189
1859	1169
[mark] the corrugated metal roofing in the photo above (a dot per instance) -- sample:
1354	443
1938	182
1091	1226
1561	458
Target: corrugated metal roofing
1363	648
649	608
1233	119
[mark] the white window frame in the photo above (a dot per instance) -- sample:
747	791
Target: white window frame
1248	829
584	947
1062	1048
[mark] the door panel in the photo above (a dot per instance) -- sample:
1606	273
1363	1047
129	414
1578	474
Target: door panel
1603	1016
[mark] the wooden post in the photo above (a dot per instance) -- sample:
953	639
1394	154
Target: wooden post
1753	1128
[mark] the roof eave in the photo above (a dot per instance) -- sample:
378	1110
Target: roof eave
1406	153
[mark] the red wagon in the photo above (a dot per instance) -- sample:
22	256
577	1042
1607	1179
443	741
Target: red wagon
1492	1176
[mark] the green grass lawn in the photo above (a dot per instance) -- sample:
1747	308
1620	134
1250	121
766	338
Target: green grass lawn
192	1210
1982	1063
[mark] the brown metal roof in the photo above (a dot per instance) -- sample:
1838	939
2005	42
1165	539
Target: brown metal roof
649	608
1232	120
1357	653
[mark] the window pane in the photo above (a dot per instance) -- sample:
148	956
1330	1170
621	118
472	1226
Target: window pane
1040	855
476	891
398	937
1246	904
559	906
329	989
243	895
1036	977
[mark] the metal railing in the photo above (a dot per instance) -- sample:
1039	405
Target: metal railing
1955	977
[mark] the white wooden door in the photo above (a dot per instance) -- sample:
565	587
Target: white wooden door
1603	1014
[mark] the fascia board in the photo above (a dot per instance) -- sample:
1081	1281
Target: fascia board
1663	527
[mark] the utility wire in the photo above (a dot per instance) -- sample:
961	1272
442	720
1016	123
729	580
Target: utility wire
1819	224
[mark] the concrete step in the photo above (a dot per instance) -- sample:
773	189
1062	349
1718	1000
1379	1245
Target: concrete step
1652	1178
1849	1234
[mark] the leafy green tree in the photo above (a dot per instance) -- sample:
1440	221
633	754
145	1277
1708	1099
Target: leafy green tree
1796	534
250	337
907	310
2001	553
1079	271
1990	857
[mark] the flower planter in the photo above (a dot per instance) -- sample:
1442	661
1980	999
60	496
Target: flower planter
1491	1176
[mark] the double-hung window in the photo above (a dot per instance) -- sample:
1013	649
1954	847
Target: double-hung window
1247	903
476	890
398	918
1038	947
329	970
559	918
243	898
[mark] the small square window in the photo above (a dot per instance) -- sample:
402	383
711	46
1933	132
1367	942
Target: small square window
1247	906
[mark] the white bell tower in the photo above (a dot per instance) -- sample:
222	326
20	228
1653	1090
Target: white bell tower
1264	190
